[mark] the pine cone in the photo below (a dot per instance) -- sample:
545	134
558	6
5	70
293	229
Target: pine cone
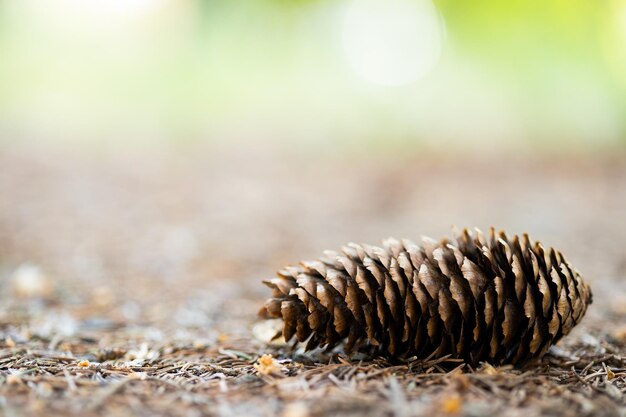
484	298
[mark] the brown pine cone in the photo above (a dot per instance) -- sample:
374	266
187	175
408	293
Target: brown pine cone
485	298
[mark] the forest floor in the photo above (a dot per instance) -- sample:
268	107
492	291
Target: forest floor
130	281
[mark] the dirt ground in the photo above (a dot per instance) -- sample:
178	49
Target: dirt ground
130	281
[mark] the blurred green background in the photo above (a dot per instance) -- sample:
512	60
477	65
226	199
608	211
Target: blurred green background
357	74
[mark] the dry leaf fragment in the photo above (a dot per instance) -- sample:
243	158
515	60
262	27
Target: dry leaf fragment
13	379
267	330
451	404
487	369
609	372
620	335
267	365
10	343
297	409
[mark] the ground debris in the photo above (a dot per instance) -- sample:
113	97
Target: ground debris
129	288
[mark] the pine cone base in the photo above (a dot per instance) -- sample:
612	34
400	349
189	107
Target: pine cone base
483	298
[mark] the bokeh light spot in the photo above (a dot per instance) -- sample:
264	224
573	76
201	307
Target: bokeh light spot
392	42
